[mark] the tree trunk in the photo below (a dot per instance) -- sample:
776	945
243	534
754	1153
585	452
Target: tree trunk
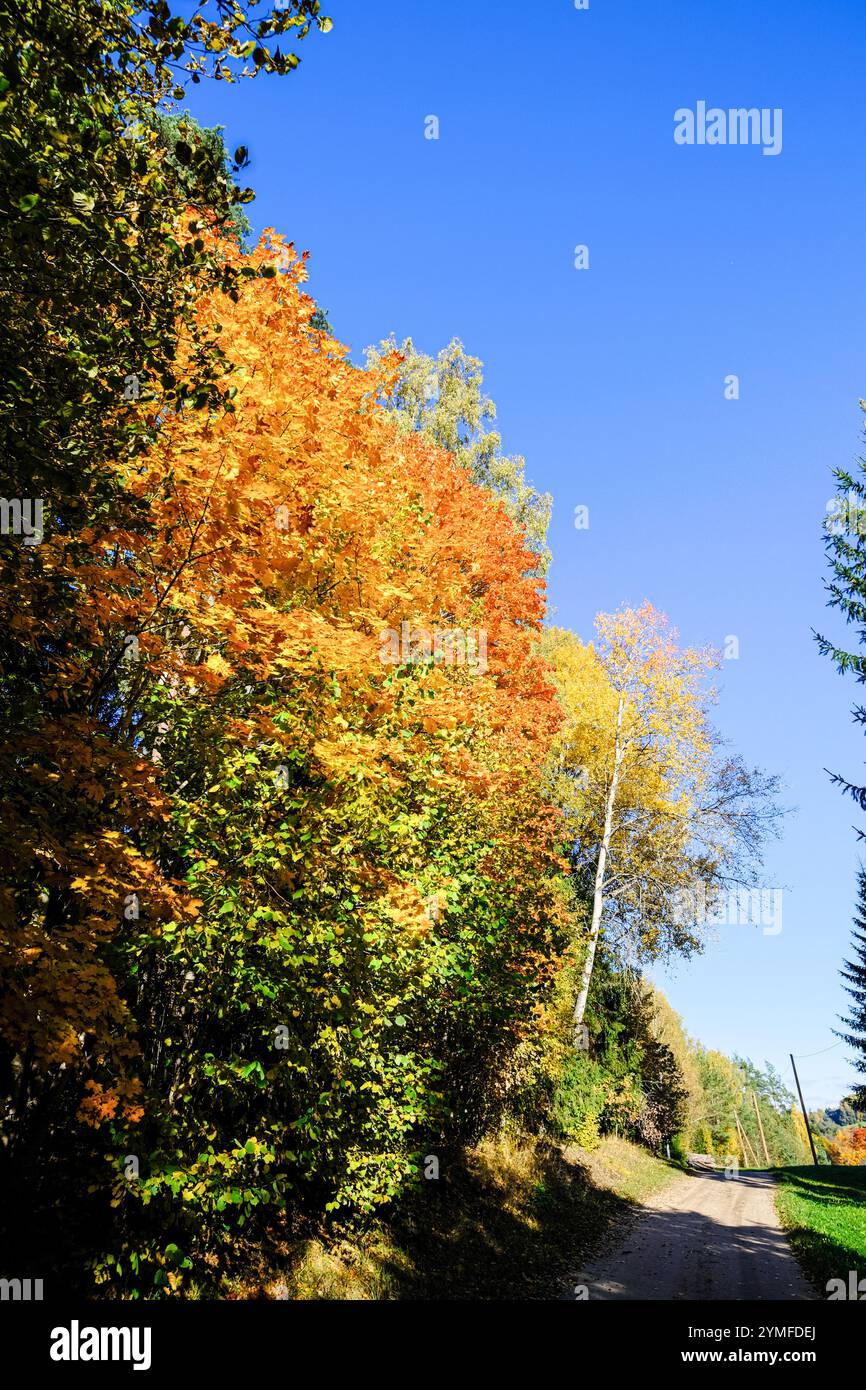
598	890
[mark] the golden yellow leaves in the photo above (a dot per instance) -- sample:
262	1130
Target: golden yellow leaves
218	666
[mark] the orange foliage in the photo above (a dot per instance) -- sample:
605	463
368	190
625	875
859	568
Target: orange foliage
849	1147
271	544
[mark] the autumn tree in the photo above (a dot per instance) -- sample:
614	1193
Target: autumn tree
442	397
309	895
654	811
95	286
848	1148
100	278
666	1026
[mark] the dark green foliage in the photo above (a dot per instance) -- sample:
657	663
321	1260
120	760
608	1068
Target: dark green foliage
848	1113
845	542
665	1104
320	321
580	1098
199	163
855	975
627	1082
846	548
821	1122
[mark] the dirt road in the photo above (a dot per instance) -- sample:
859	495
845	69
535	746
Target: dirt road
704	1236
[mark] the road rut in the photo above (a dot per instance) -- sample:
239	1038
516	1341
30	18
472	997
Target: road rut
702	1237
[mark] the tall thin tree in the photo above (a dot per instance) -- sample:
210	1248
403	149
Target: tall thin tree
854	972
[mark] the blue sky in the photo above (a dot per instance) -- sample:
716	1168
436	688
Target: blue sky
556	129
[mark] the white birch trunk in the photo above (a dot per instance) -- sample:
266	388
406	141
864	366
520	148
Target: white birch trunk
598	890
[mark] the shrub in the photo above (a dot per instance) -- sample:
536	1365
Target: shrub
579	1101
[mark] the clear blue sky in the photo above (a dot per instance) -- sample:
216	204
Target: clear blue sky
556	129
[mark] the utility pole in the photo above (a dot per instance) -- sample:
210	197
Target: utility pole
761	1128
803	1108
747	1148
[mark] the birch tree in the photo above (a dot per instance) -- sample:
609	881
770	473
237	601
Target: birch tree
655	810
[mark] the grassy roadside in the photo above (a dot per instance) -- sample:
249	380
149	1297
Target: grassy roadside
824	1212
511	1219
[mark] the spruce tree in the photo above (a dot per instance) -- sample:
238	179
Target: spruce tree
845	541
855	973
845	544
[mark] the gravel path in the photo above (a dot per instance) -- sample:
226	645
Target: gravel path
702	1237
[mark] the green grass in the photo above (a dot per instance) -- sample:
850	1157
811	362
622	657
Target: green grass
824	1212
625	1169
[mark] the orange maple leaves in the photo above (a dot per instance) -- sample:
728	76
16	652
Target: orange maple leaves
258	550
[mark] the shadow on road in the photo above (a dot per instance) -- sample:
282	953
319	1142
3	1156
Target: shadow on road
717	1238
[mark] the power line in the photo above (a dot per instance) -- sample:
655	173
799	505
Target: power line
802	1057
